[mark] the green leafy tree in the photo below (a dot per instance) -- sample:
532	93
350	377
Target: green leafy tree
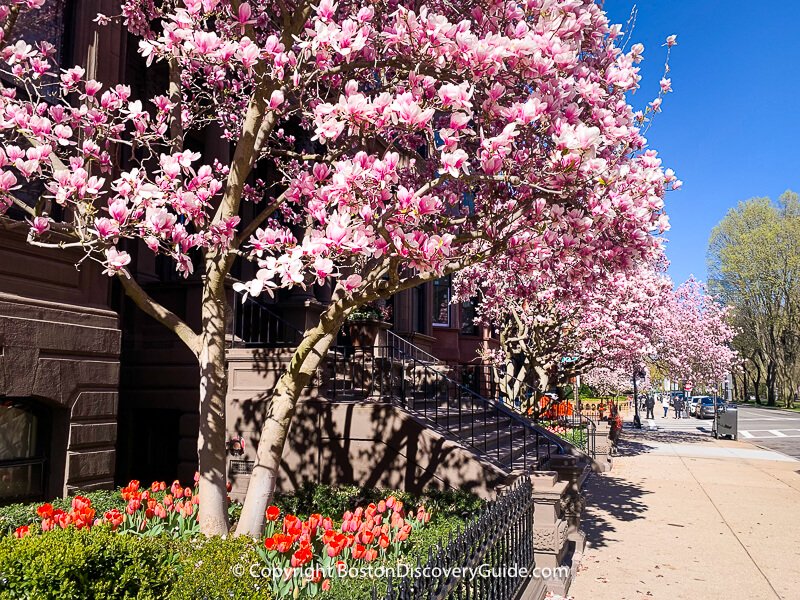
754	266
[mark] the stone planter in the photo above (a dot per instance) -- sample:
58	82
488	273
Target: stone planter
368	333
363	333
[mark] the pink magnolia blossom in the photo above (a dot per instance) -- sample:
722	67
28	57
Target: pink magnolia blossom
116	261
40	225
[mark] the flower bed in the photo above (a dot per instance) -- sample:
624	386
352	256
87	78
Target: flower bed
575	435
299	557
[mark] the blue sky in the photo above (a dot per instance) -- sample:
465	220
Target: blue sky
730	129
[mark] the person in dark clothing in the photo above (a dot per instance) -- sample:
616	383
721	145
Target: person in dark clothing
678	405
649	405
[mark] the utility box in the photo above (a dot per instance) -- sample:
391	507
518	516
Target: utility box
726	422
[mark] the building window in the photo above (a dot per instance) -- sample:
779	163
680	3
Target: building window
468	326
45	25
419	309
441	302
23	448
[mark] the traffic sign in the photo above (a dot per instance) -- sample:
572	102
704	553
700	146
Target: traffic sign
688	387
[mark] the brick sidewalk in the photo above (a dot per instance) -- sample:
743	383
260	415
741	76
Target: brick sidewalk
682	516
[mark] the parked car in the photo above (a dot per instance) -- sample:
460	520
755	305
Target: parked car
693	402
705	408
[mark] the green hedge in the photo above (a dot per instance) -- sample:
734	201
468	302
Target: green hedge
206	571
103	565
98	564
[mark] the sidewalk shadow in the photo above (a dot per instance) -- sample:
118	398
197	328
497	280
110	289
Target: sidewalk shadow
635	441
610	499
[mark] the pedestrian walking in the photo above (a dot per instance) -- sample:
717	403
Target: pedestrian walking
649	405
678	407
665	404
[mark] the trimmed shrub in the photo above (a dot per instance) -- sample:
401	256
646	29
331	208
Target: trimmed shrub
97	564
207	571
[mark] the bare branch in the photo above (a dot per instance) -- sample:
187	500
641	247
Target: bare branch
161	314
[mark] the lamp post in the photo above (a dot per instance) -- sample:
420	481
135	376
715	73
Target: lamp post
637	421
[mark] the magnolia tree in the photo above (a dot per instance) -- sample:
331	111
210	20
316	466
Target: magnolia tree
403	144
557	324
606	381
693	339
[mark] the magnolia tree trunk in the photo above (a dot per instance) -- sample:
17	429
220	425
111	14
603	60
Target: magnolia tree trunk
211	451
510	381
306	360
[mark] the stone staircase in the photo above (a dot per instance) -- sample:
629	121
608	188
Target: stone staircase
407	377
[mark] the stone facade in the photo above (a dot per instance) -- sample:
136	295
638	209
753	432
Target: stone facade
59	338
62	358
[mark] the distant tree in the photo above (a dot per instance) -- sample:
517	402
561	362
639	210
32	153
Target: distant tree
556	323
692	338
754	266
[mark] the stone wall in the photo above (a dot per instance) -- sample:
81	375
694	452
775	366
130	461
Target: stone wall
66	359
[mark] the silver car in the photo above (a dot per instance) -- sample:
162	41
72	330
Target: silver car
704	409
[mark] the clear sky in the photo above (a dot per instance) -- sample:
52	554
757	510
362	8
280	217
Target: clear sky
731	127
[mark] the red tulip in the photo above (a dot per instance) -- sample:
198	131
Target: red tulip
404	532
21	532
302	557
45	511
114	518
359	551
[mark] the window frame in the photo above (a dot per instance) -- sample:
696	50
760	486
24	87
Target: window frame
435	322
42	447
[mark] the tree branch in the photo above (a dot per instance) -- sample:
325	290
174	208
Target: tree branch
161	314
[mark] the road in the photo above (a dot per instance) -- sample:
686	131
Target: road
773	429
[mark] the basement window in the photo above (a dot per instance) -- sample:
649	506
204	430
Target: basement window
23	450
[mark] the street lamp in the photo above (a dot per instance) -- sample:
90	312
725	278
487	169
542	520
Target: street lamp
637	421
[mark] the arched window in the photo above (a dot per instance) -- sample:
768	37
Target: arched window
24	437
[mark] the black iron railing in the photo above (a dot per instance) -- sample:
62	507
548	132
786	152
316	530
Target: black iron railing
493	429
574	428
494	556
406	348
255	325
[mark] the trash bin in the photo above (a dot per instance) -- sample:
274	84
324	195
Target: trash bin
726	421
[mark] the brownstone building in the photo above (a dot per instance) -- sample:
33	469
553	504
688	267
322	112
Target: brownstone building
59	336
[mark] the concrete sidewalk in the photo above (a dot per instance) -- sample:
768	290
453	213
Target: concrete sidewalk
682	516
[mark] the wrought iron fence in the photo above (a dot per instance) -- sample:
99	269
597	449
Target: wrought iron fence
572	427
255	325
493	429
484	562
